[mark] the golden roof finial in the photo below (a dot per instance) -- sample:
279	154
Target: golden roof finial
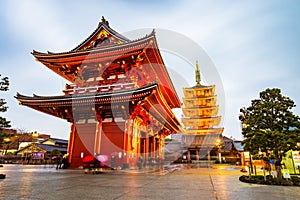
197	71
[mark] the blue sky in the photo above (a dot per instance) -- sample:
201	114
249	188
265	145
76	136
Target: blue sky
254	45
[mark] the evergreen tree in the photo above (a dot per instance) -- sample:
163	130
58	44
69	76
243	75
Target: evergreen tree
270	128
4	83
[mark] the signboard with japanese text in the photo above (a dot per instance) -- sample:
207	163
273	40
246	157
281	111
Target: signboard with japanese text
38	155
296	158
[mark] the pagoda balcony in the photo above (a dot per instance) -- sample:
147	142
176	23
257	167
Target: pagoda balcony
203	131
200	111
199	91
75	89
201	122
200	102
203	141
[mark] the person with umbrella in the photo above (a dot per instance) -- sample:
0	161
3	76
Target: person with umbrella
102	159
88	162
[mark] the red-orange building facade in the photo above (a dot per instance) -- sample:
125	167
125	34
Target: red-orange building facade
118	99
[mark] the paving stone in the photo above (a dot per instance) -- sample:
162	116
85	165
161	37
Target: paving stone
44	182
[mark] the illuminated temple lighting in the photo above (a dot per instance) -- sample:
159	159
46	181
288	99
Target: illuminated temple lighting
200	118
103	82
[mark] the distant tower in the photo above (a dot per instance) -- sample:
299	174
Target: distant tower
202	134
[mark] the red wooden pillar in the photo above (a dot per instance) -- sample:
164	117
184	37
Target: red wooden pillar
188	156
151	147
162	146
97	142
147	146
154	148
127	141
197	154
71	142
98	133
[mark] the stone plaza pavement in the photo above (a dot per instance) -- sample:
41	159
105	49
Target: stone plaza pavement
44	182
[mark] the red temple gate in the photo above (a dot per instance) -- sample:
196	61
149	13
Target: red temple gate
118	101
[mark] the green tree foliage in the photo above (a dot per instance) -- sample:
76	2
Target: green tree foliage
4	83
55	152
269	126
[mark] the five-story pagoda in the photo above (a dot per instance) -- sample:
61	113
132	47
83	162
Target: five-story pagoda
201	133
118	98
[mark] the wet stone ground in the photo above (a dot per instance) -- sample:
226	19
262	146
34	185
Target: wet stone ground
45	182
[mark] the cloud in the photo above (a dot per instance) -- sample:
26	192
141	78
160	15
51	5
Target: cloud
253	44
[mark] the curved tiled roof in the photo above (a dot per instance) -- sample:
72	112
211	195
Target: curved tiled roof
111	95
49	148
57	140
102	25
99	49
